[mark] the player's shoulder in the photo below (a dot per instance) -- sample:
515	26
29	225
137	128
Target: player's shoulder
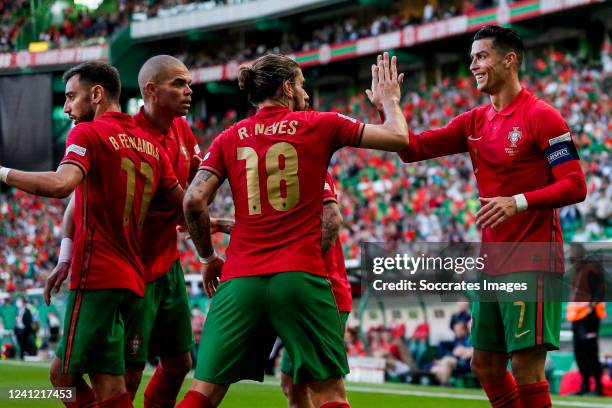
182	125
541	111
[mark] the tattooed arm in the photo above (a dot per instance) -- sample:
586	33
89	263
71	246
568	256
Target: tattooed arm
195	205
331	223
224	225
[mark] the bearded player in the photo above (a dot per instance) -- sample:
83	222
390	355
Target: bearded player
331	247
116	171
274	279
165	86
526	166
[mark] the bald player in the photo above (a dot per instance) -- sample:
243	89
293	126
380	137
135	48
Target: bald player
164	82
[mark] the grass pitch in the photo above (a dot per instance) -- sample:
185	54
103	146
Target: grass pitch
17	375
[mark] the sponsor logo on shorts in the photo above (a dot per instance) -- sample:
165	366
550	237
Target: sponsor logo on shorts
519	335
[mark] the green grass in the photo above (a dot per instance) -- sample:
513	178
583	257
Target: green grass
15	375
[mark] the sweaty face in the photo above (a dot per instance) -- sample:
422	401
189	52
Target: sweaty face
300	97
488	66
173	92
78	105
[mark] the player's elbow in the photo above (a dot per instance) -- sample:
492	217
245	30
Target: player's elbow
402	140
581	189
194	202
59	189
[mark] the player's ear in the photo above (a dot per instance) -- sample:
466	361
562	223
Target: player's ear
510	59
288	88
149	89
97	93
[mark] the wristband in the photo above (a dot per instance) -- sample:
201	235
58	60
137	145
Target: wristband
521	202
208	259
4	171
65	254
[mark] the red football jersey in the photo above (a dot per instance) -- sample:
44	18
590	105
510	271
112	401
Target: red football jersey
182	149
510	155
123	170
334	258
276	162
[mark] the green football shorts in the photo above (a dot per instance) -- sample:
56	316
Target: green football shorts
286	365
161	326
247	313
514	324
94	331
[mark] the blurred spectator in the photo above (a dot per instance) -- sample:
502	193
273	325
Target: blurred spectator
585	310
455	355
54	325
24	328
390	346
197	324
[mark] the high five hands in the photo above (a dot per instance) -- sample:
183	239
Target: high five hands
384	79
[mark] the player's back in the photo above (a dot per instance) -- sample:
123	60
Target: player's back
276	162
123	168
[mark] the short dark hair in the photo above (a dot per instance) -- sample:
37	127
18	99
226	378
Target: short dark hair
264	78
98	73
505	40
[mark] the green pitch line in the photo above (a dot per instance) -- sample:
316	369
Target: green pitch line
18	375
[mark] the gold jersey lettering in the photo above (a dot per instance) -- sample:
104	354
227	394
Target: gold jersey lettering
259	128
114	143
292	127
242	132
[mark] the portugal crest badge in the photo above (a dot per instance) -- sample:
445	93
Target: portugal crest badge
135	343
514	136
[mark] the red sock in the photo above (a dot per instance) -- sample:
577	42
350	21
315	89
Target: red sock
503	392
194	399
122	400
84	396
536	395
162	389
336	405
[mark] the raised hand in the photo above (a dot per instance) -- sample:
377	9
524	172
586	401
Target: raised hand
373	93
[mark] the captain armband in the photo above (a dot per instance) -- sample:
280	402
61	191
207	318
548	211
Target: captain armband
561	150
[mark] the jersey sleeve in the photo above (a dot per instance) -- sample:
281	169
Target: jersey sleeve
329	191
167	178
344	130
450	139
213	159
79	148
555	141
553	136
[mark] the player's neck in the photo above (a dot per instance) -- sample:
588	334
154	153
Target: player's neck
159	120
506	95
268	103
106	108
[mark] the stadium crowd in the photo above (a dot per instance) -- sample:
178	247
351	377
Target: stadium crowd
380	198
79	27
332	32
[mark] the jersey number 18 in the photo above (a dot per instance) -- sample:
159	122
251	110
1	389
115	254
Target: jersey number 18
281	168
